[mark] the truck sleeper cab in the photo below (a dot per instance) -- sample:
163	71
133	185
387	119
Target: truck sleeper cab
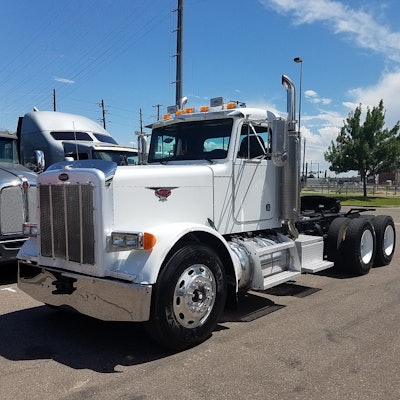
47	137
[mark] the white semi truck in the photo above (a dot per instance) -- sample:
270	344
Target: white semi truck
215	212
47	137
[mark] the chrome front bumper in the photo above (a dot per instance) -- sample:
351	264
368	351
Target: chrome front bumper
104	299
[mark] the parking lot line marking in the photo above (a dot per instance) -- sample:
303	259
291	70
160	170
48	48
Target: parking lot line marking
9	289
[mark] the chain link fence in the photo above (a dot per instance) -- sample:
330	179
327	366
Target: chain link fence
351	187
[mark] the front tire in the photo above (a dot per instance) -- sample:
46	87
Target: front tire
189	298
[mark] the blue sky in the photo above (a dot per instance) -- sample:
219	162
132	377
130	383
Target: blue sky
122	51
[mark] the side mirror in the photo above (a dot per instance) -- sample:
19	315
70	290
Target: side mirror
142	149
279	142
40	161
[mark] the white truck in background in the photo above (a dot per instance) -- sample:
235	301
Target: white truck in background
215	212
47	137
17	198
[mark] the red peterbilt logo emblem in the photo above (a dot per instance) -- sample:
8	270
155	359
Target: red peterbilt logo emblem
162	192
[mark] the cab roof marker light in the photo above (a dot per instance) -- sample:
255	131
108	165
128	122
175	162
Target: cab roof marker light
167	116
189	110
231	105
204	108
179	112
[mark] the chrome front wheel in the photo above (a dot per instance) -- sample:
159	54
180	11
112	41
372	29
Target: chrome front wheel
189	297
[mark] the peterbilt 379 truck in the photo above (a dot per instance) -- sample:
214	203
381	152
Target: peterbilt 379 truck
215	212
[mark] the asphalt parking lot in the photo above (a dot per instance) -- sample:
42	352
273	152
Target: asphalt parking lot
325	336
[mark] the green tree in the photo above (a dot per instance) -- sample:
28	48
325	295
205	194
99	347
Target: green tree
368	148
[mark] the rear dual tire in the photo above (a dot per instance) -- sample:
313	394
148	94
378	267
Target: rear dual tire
385	239
334	241
358	244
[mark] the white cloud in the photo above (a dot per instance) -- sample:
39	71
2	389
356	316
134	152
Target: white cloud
387	89
322	128
63	80
364	28
324	119
314	98
359	26
315	147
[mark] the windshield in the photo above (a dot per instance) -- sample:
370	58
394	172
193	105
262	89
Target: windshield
119	157
195	140
8	151
104	138
69	135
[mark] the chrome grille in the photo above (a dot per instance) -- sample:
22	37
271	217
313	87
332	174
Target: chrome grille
66	222
11	210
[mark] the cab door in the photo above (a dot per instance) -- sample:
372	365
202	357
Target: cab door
254	181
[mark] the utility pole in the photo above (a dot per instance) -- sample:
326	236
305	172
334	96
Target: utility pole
140	132
142	141
158	110
103	111
141	120
54	100
179	52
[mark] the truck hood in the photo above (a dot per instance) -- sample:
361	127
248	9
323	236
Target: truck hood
153	194
17	172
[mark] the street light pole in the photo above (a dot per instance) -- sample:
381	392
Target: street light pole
299	60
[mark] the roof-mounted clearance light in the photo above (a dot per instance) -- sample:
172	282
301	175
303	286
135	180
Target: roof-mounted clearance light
204	108
179	112
167	116
231	105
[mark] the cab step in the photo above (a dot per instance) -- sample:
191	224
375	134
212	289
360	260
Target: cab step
281	277
311	253
317	267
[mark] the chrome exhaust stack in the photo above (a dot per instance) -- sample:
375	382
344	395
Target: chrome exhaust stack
291	168
291	102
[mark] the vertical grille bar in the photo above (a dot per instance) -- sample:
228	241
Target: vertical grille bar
80	224
66	222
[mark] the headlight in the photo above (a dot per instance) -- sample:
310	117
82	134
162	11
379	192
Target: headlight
29	229
132	240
